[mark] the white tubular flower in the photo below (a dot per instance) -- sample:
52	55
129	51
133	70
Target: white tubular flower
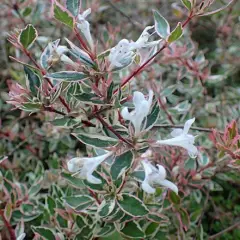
142	108
84	26
155	175
181	138
86	166
121	55
143	40
55	52
145	49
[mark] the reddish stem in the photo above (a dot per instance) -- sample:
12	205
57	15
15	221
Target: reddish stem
8	226
112	130
84	45
139	69
165	110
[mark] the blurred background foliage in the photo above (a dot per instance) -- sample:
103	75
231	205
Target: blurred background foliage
36	149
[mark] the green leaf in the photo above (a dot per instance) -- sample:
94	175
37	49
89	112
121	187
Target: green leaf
8	211
31	107
168	91
36	187
80	221
138	175
89	98
106	230
67	76
76	182
79	202
73	6
106	208
33	80
176	33
80	54
96	140
85	234
27	11
27	36
132	205
62	15
153	116
184	217
190	164
187	4
65	122
174	198
132	230
45	233
157	217
51	205
151	228
121	164
114	236
161	25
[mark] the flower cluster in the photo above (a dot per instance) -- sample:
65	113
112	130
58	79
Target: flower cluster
84	167
123	54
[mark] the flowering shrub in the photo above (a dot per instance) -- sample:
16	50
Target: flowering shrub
127	179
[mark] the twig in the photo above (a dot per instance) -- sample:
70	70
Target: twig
112	130
235	225
182	126
123	14
8	226
51	109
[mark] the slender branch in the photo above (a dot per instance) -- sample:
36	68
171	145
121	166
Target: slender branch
123	14
110	128
165	110
51	109
235	225
8	226
139	69
182	126
83	44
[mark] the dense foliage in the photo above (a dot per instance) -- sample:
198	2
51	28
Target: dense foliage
120	120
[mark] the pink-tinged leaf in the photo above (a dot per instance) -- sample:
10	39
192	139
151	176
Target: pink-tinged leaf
63	15
216	11
8	211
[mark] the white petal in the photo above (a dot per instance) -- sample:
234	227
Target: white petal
92	179
192	151
74	164
22	236
67	60
138	98
61	49
162	172
147	168
125	114
176	132
147	188
170	185
86	12
150	98
188	124
147	154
